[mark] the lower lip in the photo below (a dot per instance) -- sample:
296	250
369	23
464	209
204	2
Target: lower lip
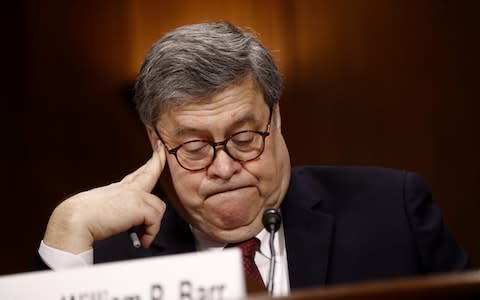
230	193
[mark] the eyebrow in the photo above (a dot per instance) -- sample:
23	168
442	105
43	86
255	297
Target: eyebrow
192	130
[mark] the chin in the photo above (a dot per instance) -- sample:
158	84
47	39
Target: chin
238	234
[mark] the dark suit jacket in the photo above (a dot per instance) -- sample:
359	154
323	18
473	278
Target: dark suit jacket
341	225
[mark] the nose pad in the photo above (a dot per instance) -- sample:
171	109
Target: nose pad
222	156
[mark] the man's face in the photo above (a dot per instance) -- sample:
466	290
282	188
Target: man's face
227	199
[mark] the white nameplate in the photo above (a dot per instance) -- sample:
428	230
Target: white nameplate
199	275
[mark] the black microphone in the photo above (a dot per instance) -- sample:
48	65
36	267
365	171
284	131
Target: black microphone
271	221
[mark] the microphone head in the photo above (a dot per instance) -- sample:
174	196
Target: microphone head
272	219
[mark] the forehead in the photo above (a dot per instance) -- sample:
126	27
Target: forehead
241	102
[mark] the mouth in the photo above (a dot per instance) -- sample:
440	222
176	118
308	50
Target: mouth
227	190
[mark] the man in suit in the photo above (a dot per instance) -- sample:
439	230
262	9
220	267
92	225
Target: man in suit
208	96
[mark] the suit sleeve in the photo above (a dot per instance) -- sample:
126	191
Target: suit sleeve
38	264
438	251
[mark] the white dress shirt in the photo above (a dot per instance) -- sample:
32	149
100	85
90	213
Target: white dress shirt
60	260
281	282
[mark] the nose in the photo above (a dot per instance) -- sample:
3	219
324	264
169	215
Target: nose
223	166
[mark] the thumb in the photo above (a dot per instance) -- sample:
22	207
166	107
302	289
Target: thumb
145	177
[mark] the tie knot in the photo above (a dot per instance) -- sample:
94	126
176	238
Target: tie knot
248	247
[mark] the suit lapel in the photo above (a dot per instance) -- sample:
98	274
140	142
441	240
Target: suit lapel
174	237
308	236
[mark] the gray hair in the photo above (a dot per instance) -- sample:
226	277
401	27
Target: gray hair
195	61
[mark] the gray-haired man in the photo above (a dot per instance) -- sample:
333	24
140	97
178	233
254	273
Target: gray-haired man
208	96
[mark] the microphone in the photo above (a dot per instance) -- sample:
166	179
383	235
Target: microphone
271	221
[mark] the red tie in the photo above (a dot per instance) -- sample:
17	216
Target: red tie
249	248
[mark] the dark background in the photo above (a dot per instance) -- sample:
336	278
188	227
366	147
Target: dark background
386	83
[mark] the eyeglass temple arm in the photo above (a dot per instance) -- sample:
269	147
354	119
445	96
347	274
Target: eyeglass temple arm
269	119
161	140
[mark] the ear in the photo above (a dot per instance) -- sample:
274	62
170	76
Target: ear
277	118
165	180
152	136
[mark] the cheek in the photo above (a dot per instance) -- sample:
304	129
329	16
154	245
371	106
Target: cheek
271	169
264	170
185	183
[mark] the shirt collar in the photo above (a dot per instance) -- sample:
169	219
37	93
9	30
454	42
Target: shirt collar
204	243
278	242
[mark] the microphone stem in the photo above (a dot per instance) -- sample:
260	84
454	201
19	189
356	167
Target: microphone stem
272	263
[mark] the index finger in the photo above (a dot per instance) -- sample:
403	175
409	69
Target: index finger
145	177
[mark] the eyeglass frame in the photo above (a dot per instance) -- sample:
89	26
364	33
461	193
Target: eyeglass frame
223	143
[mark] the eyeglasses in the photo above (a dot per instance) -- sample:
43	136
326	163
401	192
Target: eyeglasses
241	146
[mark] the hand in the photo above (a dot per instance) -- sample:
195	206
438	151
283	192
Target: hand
102	212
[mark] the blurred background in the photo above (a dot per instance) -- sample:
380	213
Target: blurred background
385	83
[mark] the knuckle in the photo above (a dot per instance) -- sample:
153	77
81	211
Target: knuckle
162	206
